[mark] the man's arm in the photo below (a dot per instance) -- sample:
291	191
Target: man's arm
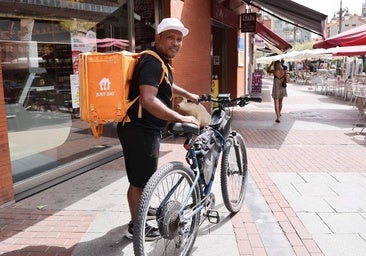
151	103
179	91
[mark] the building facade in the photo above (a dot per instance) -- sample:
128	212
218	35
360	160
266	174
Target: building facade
346	22
42	139
289	32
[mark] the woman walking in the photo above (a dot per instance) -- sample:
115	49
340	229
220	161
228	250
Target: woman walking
279	86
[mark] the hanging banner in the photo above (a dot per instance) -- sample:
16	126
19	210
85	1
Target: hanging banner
259	42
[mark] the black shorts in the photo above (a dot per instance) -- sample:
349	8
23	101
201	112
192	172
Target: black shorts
141	153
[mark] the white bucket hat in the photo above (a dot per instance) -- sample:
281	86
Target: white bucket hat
172	24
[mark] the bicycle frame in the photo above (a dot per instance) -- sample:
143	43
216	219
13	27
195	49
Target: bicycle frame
191	158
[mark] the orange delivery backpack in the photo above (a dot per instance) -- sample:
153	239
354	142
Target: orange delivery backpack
105	80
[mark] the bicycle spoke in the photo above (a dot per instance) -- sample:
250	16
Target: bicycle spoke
167	191
234	173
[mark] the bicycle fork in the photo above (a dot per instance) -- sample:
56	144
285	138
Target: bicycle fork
237	152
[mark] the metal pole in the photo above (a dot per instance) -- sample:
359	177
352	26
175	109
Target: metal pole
340	18
131	25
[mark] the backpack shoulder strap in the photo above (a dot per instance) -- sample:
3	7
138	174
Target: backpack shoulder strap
165	68
164	74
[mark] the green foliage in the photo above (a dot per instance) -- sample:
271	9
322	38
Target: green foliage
303	46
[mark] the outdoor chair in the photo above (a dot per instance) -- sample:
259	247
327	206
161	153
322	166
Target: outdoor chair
360	103
317	82
356	91
348	89
330	86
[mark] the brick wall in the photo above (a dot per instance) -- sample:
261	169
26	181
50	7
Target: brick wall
193	63
6	181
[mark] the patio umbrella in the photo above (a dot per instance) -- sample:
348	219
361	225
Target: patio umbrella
352	37
358	50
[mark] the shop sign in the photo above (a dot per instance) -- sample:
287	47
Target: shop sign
259	42
224	15
248	22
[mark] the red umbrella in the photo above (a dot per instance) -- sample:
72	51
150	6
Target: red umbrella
352	37
358	50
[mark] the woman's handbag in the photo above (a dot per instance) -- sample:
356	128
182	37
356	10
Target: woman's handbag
284	84
285	80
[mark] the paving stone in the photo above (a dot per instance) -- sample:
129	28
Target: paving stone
272	240
313	223
280	251
341	244
268	227
286	178
350	189
343	223
346	204
319	190
290	189
318	177
215	245
309	204
350	177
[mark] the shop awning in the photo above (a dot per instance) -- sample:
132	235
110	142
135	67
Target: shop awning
358	50
300	15
352	37
272	37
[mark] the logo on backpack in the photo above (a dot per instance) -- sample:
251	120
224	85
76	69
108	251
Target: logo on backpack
105	85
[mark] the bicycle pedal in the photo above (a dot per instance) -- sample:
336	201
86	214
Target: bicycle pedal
213	216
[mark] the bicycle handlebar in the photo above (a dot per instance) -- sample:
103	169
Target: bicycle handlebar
224	100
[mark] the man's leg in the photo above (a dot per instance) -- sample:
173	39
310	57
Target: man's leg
133	197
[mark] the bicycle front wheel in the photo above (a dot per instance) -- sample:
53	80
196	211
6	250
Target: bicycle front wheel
162	199
234	172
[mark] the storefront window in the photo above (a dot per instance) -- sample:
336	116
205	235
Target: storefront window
40	42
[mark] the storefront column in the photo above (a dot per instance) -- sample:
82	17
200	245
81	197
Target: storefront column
6	180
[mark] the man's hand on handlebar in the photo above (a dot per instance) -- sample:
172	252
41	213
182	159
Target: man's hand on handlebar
190	119
193	97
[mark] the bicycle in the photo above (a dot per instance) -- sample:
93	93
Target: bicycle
178	194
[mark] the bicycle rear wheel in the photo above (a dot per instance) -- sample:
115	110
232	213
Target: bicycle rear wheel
234	172
165	193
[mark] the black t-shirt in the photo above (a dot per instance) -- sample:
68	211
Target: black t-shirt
148	71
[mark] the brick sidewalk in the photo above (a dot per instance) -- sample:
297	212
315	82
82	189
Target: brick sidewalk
315	136
323	142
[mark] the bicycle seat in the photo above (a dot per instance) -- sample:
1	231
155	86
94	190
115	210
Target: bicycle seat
182	128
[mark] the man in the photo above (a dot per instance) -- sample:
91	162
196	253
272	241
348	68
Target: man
140	139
